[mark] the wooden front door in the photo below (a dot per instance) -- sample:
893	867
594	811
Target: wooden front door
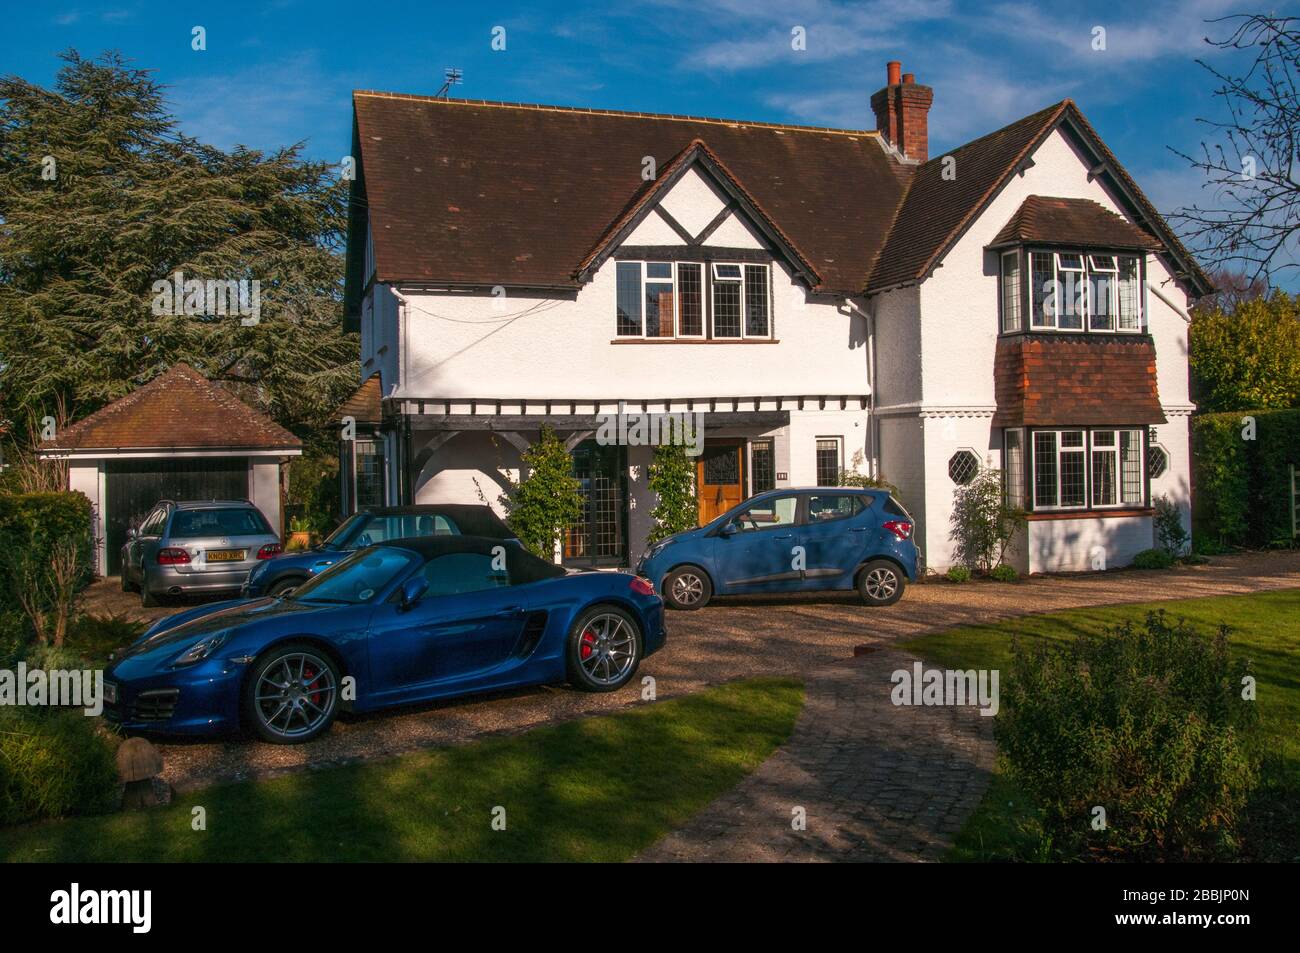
720	478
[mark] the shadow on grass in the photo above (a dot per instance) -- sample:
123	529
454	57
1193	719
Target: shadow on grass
597	789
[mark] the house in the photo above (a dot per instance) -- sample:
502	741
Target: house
829	300
178	437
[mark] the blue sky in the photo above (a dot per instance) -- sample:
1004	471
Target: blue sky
280	71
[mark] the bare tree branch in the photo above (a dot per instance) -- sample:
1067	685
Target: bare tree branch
1251	220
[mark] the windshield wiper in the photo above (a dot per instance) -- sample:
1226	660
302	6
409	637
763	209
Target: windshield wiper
333	602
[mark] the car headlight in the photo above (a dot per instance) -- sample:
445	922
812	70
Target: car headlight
202	649
656	549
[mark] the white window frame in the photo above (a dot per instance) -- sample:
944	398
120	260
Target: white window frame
1085	275
1018	297
1088	449
1025	488
839	456
645	280
1060	451
640	297
708	277
704	303
744	301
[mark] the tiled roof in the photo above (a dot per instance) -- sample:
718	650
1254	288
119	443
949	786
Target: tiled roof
939	206
466	192
177	410
365	404
1079	222
472	192
1075	381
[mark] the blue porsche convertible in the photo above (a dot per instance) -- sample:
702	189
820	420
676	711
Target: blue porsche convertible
394	623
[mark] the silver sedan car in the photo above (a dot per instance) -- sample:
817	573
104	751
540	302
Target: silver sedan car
205	546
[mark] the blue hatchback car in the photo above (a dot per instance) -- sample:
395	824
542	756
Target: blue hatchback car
790	540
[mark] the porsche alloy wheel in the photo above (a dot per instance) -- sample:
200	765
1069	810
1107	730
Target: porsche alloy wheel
605	648
294	694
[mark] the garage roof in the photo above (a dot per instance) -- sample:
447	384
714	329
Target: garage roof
178	410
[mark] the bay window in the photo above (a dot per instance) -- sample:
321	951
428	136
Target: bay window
1073	291
1082	468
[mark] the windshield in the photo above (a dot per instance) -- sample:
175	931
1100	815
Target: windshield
357	579
336	539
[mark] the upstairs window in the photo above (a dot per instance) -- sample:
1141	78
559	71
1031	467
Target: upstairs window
668	300
1011	317
1075	291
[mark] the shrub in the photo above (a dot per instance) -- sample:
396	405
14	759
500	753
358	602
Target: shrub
45	557
54	763
672	479
983	523
94	637
1153	559
546	501
1170	532
1004	573
1249	357
958	574
1144	721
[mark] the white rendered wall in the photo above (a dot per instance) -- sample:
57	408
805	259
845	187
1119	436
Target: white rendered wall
264	489
86	477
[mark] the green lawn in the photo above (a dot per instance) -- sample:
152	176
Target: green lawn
598	789
1265	628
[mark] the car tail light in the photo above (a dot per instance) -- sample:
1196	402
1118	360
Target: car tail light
900	528
642	585
173	557
269	550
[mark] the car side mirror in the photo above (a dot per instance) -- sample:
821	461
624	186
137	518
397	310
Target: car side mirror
729	529
132	532
413	591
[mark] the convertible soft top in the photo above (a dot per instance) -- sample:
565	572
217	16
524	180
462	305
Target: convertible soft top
523	566
471	518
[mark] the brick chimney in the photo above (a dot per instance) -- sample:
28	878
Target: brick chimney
902	111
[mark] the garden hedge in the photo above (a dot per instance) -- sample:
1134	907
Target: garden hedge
32	523
1242	488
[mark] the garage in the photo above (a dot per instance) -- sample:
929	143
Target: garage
134	486
179	437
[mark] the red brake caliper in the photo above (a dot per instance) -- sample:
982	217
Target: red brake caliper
588	644
308	673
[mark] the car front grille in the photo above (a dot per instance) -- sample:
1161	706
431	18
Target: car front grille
158	705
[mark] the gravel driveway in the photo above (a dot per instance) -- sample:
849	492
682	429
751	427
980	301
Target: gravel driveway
734	638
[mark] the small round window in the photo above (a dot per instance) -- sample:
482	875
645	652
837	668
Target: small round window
962	466
1157	461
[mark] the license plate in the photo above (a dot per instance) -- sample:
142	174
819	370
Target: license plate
226	555
110	693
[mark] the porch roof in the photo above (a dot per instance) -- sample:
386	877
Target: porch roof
500	423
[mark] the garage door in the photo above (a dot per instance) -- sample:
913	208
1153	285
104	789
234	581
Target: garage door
134	486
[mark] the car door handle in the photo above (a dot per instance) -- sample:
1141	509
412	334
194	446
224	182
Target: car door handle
509	612
784	536
858	529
